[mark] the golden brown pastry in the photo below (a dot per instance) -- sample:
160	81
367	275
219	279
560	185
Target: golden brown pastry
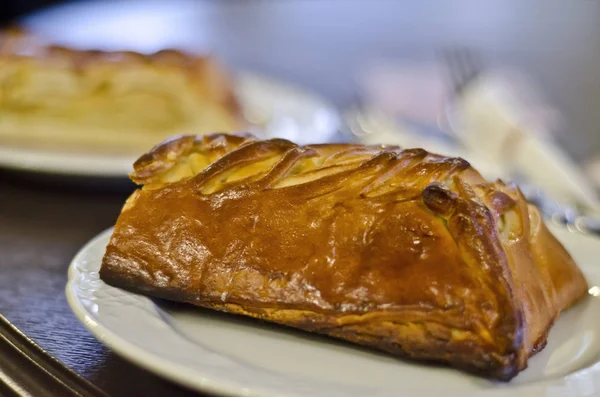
405	251
122	101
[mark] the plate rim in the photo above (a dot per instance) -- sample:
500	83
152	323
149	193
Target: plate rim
182	375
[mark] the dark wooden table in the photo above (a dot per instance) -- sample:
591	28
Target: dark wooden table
319	44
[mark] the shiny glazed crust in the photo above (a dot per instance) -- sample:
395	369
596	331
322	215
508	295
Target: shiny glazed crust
126	101
404	251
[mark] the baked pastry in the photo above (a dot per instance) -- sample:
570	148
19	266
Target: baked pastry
123	101
405	251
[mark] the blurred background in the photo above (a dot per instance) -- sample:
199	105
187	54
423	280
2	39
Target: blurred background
12	9
513	86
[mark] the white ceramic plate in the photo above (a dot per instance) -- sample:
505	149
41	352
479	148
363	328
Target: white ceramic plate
229	355
278	109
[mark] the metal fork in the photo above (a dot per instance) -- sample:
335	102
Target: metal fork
463	66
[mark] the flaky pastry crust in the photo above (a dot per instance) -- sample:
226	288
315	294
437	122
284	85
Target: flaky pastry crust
404	251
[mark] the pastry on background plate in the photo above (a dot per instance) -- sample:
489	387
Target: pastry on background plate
403	251
123	102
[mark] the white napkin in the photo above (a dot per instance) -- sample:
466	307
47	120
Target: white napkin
497	118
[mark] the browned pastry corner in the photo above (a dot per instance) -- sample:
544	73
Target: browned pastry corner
124	101
404	251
